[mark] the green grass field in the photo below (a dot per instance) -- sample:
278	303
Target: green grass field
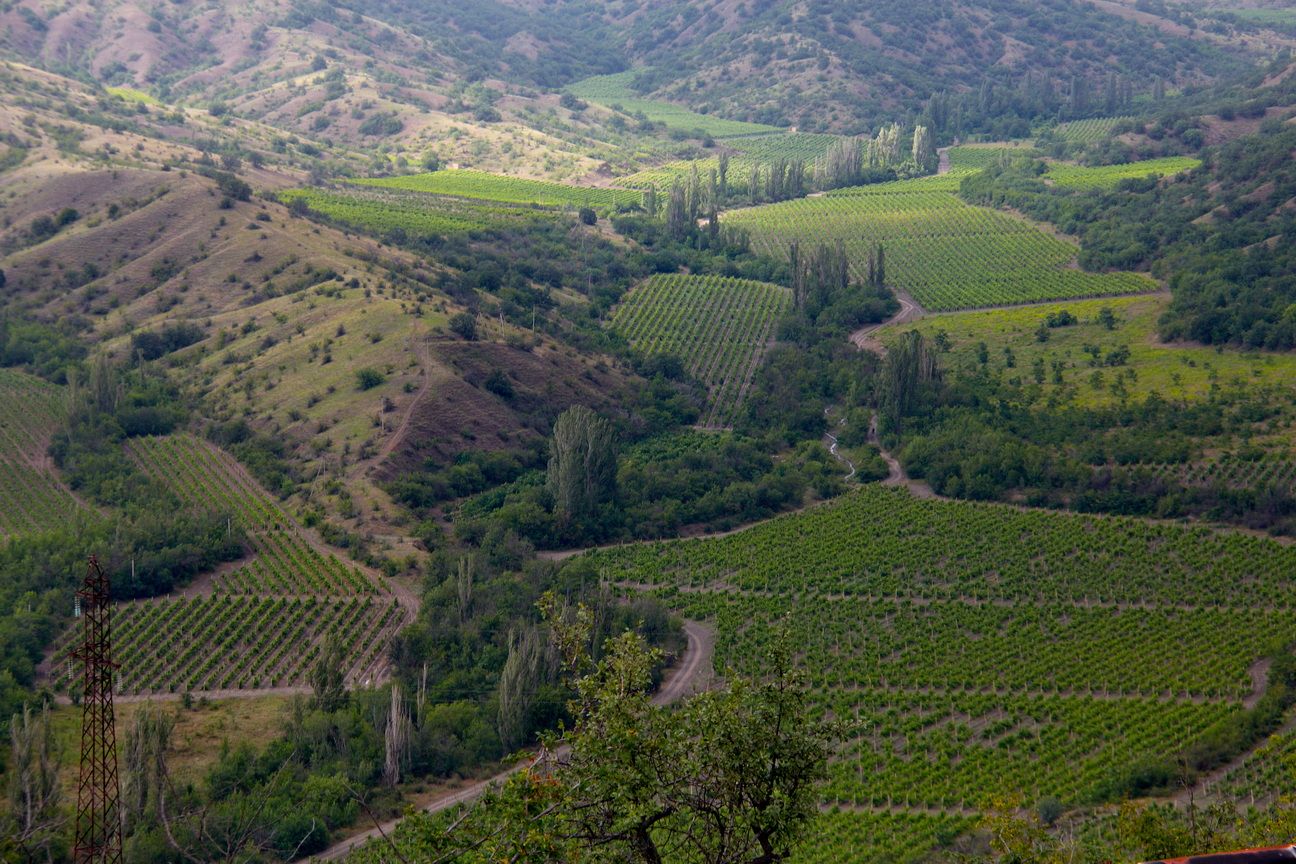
1107	176
1175	372
481	186
718	327
945	253
613	91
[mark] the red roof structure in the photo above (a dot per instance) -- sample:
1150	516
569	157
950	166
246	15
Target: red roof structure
1266	855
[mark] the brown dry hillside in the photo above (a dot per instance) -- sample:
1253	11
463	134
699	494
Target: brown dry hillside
325	78
289	311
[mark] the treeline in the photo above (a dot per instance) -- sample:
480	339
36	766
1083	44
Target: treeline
1222	234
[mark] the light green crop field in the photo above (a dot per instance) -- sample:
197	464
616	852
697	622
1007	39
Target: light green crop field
1176	372
613	90
1107	176
482	186
963	161
718	327
982	647
754	150
132	95
947	254
383	210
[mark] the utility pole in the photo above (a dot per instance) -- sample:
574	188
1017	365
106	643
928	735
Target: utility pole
98	822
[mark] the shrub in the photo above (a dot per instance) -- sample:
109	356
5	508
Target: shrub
368	378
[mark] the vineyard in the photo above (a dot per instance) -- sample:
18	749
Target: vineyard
225	642
718	327
285	562
881	543
390	209
31	497
482	186
947	254
613	91
1107	176
1232	474
981	647
1093	129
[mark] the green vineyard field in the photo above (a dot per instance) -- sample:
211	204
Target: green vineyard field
285	561
1107	176
613	91
482	186
718	327
225	642
982	648
31	496
947	254
388	209
881	543
1093	129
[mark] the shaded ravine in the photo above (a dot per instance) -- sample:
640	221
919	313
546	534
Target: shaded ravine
692	675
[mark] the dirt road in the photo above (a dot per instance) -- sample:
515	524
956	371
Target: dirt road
692	675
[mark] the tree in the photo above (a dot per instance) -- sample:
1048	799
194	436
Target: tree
328	676
587	216
729	777
30	830
465	325
582	467
1107	318
924	150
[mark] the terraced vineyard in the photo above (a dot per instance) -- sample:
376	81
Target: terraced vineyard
719	327
482	186
224	642
614	91
31	497
947	254
1232	474
981	647
285	562
1107	176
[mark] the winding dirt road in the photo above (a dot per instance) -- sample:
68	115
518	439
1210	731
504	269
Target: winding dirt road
692	675
909	311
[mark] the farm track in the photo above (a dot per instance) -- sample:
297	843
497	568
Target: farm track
421	353
693	670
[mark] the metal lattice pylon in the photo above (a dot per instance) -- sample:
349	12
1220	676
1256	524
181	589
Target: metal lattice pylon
98	823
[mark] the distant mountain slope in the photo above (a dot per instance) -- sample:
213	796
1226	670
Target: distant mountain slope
846	66
820	65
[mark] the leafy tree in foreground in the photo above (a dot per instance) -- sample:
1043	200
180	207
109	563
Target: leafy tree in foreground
728	778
